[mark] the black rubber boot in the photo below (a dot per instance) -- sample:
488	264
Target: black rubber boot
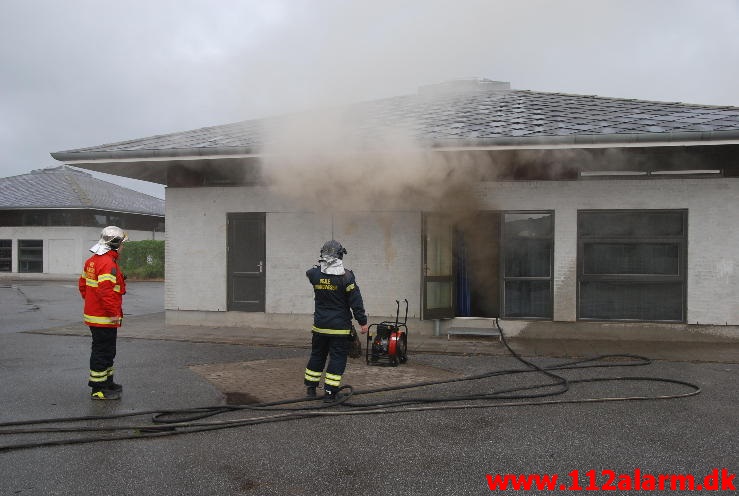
105	394
310	391
109	384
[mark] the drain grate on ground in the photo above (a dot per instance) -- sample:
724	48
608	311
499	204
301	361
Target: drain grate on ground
271	380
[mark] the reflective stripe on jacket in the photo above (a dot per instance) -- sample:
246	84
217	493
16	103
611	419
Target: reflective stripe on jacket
102	286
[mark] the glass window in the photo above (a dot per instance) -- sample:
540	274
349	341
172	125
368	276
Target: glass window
528	225
631	300
6	255
116	220
101	220
631	258
81	217
631	265
35	219
438	249
30	255
11	218
438	294
528	299
528	247
630	224
60	218
438	268
528	258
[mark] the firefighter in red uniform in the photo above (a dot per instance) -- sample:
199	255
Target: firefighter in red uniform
102	286
337	297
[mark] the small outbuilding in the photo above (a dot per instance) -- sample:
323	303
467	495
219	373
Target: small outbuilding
470	199
50	217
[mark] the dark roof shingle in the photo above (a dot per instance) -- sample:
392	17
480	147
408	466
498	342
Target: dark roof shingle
469	118
65	187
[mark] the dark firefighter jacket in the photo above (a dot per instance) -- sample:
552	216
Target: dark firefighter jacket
337	297
102	286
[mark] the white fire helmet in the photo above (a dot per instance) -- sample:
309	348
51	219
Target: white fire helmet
111	238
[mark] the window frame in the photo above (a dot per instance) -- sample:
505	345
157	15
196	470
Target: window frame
681	277
59	217
503	264
9	258
21	258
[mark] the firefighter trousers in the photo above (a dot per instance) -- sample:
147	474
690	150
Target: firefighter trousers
336	349
102	355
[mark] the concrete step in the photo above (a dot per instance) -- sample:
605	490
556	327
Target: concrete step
477	332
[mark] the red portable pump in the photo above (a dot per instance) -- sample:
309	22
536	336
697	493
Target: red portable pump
389	342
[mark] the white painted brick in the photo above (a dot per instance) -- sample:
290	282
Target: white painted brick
385	248
65	247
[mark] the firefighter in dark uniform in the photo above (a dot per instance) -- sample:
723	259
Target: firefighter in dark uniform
337	297
102	287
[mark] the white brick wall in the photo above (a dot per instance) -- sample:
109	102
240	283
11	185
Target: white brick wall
65	248
385	254
384	251
385	248
713	232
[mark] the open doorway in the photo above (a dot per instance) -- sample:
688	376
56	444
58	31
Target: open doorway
476	251
462	263
492	264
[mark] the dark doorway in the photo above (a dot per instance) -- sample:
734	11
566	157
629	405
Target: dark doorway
477	266
491	264
246	261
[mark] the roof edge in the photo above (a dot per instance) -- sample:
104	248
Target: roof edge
99	209
583	140
202	152
574	141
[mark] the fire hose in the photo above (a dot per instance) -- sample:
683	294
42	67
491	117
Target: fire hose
190	420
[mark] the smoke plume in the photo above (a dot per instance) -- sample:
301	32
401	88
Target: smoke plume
329	162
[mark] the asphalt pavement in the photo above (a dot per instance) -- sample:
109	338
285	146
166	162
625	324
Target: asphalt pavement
43	365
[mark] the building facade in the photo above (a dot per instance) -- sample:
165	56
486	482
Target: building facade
578	212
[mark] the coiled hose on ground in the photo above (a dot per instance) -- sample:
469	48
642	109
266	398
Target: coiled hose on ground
189	420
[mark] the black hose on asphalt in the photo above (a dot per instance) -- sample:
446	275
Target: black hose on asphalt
186	420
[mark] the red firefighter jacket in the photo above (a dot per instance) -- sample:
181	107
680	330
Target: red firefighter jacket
102	286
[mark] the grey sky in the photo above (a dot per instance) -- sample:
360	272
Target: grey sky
79	73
